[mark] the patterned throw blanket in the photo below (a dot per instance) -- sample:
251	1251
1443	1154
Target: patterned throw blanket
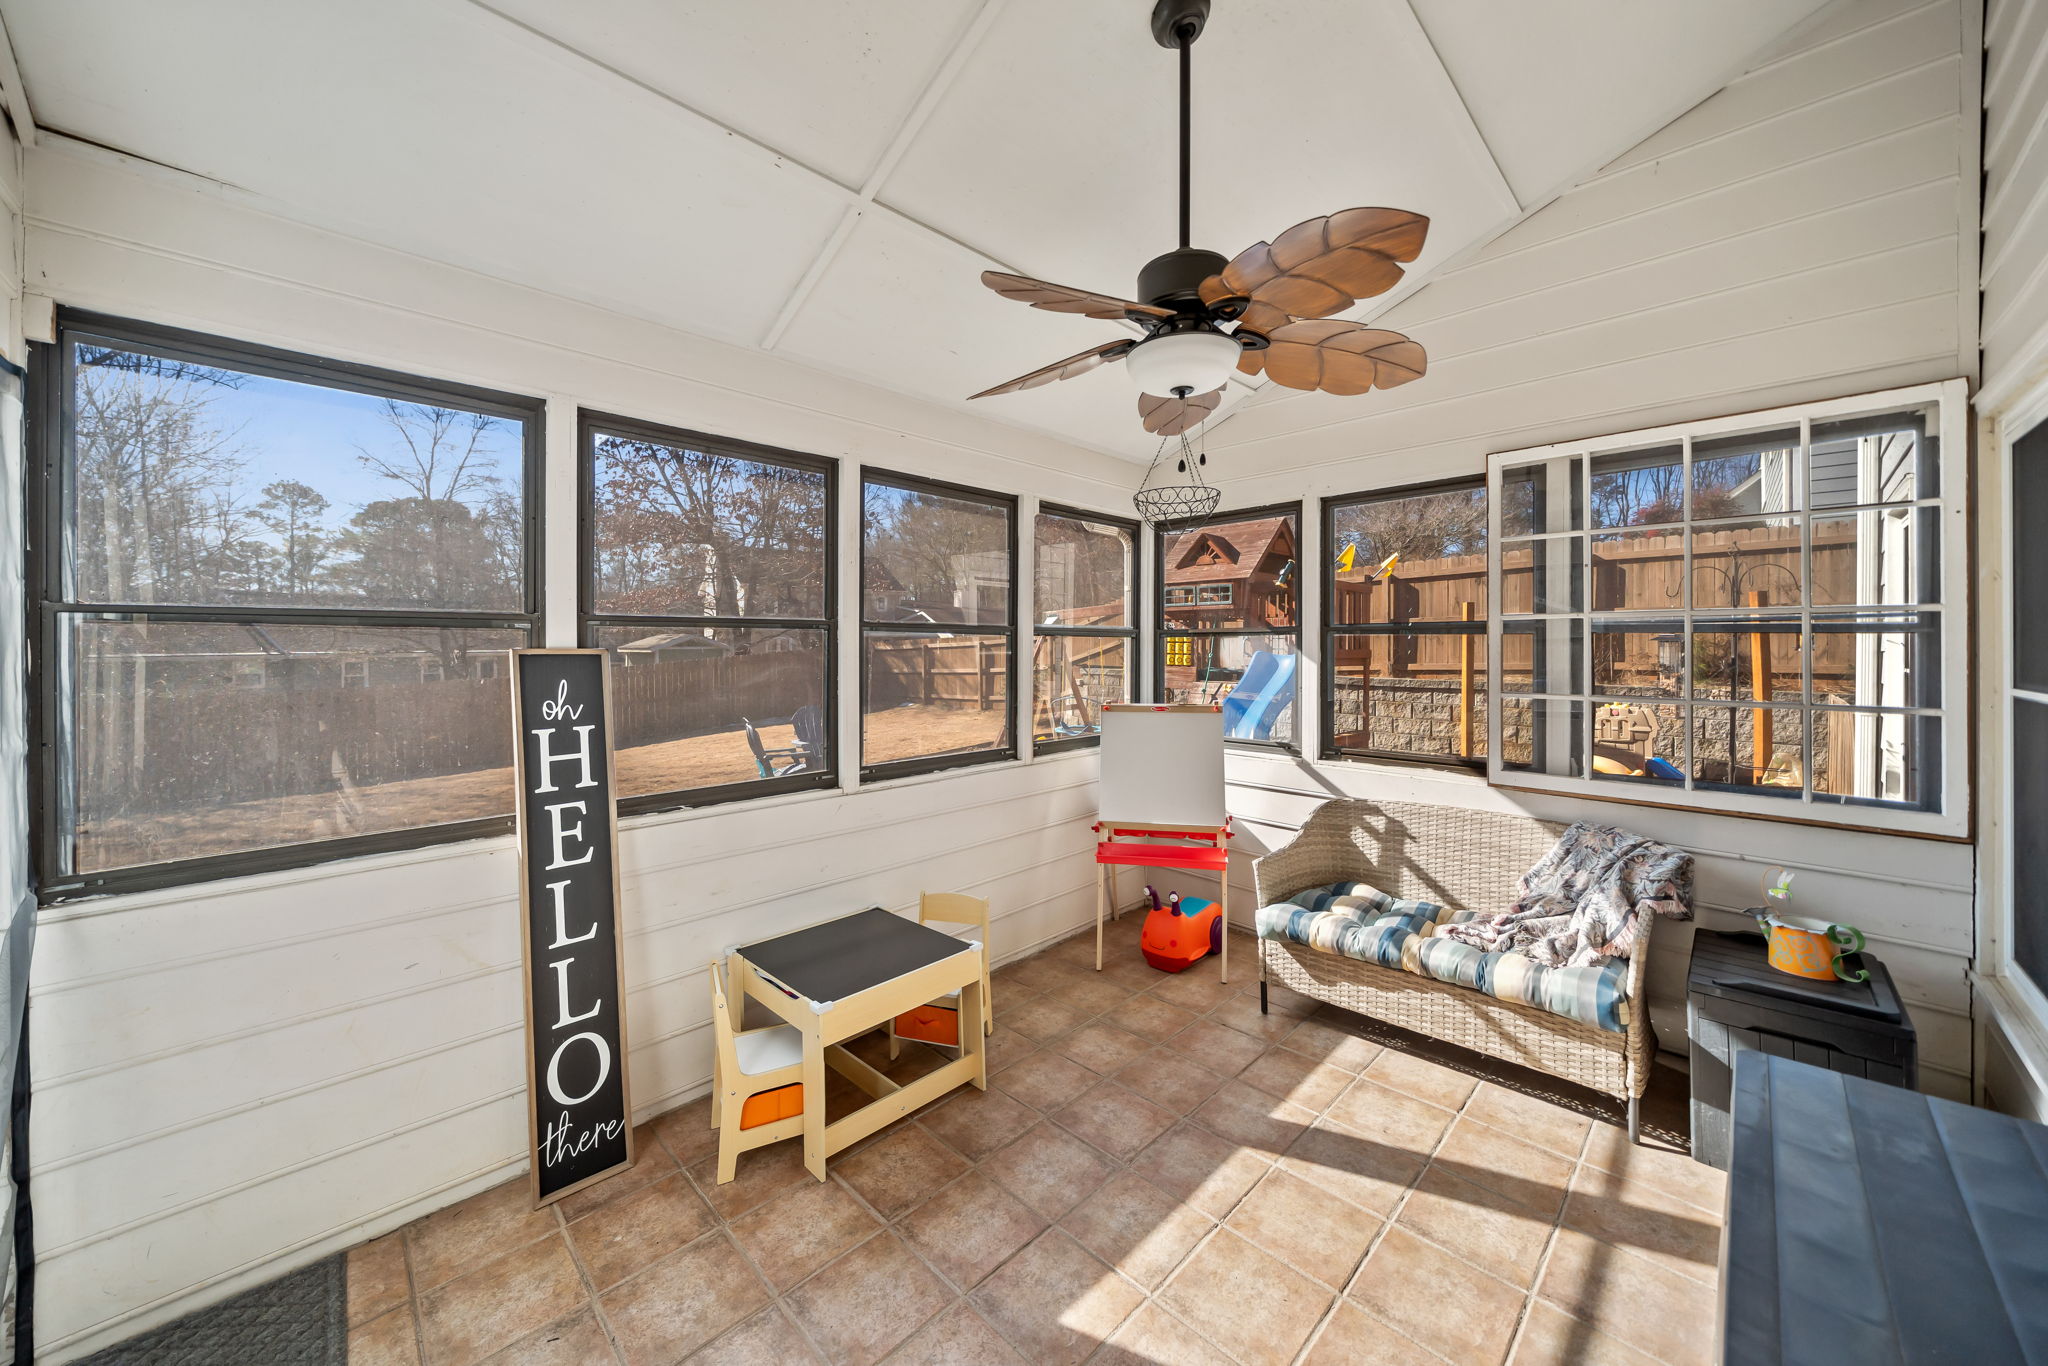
1578	905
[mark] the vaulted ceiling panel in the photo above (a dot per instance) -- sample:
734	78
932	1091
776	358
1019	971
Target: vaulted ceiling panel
845	76
827	179
442	129
1559	87
1055	150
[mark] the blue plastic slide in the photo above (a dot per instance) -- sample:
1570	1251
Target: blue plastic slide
1260	698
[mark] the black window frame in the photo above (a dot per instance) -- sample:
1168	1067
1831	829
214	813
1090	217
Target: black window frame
590	423
46	397
1330	629
1129	630
936	763
1160	532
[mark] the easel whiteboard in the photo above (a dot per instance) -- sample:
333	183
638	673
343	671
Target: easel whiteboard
1162	765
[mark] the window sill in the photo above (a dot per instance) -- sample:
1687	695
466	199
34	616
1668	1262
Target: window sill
1407	764
69	906
937	765
1912	825
2020	1016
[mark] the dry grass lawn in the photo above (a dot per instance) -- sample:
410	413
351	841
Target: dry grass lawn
673	766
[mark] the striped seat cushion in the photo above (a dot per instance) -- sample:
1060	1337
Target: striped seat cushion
1591	995
1348	918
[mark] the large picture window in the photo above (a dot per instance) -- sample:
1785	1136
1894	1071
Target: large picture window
938	613
1761	614
1235	639
276	595
1404	624
1085	648
708	579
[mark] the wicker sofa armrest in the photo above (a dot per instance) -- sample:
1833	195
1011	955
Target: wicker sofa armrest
1313	858
1639	959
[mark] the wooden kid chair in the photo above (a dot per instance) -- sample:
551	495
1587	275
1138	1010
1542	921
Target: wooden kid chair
757	1092
939	1022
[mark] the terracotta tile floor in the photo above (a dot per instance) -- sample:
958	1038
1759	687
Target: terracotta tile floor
1156	1174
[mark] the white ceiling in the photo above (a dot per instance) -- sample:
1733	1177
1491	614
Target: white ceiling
826	179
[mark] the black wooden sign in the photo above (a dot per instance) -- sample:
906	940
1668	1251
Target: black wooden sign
580	1119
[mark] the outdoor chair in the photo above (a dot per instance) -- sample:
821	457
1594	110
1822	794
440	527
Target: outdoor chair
767	760
809	724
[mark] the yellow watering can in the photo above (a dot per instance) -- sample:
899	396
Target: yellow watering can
1806	947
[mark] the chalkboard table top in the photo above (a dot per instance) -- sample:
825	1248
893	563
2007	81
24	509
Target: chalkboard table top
844	957
1868	1224
1735	967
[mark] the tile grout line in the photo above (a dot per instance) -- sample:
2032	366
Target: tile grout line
583	1272
889	1227
1121	1165
412	1296
1529	1300
1393	1217
721	1224
1271	1167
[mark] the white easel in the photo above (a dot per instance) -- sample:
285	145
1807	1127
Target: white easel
1161	803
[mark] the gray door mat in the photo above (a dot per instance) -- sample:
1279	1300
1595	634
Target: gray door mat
296	1320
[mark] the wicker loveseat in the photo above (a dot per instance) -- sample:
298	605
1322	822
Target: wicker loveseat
1462	860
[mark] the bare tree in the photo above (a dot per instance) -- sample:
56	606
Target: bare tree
147	456
430	546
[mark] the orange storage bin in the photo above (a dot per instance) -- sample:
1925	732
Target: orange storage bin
930	1024
784	1102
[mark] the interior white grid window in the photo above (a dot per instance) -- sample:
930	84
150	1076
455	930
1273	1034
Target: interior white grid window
1762	614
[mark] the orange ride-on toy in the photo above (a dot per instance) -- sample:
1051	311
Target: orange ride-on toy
1179	933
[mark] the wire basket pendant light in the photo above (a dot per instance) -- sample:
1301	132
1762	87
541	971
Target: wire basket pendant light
1183	494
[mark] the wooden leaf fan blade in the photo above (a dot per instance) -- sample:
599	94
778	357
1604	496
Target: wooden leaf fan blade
1172	416
1066	299
1074	365
1321	266
1263	318
1340	357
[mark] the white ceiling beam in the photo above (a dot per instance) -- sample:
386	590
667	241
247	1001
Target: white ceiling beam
859	199
765	151
1457	114
14	94
935	89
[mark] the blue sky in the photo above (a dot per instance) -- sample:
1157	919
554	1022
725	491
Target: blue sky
281	429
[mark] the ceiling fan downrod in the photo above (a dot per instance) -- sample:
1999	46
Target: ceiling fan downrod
1279	297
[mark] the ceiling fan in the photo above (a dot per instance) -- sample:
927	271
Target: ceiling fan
1277	298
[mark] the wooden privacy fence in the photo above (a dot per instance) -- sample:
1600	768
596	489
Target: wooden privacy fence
161	751
674	699
966	671
1755	567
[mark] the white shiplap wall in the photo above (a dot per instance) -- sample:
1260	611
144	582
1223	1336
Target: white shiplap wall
2015	266
234	1077
1807	232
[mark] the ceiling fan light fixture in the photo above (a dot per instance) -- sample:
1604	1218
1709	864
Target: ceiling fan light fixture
1181	363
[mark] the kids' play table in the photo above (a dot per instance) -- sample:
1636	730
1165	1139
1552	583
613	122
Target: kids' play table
842	978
